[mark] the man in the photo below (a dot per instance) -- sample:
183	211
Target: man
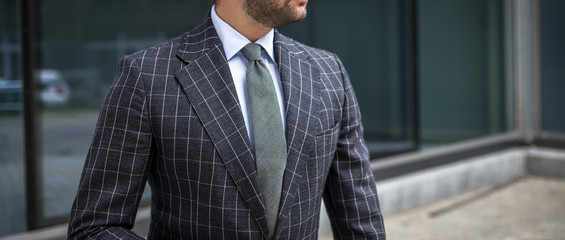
189	116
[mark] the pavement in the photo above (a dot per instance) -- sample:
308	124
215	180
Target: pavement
529	208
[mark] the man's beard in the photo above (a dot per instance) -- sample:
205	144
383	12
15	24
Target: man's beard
269	14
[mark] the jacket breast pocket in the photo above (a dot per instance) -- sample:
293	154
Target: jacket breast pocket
326	142
329	131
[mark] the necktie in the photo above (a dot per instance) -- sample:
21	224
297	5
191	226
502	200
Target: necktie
268	131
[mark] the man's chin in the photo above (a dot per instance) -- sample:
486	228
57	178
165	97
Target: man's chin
300	13
293	20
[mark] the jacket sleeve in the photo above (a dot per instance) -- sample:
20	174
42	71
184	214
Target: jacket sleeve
116	167
350	193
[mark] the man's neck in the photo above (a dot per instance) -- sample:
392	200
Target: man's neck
232	13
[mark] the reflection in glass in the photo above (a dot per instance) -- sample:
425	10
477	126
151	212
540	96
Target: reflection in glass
376	50
461	70
81	44
552	65
12	188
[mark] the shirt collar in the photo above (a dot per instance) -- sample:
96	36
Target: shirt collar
233	41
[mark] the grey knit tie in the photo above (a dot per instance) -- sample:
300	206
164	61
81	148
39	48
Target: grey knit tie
270	143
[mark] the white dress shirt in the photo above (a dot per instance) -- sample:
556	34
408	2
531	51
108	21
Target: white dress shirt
233	42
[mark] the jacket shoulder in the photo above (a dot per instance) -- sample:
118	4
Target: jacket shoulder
307	52
158	49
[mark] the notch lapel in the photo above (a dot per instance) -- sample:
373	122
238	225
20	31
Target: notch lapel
301	93
209	87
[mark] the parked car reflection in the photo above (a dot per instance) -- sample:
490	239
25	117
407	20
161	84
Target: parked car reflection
54	91
10	95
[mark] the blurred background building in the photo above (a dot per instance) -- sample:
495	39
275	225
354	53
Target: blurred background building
438	81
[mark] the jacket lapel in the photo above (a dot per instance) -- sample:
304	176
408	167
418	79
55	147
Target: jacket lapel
301	93
209	87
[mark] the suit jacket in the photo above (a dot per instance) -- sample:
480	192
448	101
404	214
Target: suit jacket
172	118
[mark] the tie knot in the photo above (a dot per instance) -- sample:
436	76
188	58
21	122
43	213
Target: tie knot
252	51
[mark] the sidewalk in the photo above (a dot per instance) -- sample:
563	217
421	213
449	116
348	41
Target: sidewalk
531	208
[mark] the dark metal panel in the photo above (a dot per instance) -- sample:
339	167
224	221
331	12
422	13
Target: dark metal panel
33	175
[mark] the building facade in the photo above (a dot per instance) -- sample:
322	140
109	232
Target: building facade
436	80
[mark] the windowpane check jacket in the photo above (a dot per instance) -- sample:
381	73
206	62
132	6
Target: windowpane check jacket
172	119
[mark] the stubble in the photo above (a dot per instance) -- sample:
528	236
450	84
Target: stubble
268	13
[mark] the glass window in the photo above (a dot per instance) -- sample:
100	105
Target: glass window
12	188
552	64
461	70
457	45
81	44
377	51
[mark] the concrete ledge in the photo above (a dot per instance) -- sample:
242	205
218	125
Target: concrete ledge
57	232
427	186
546	162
